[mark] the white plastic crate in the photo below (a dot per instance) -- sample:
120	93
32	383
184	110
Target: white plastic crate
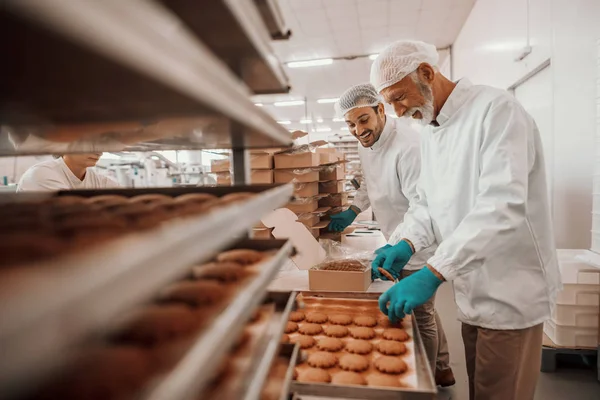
581	282
569	336
576	316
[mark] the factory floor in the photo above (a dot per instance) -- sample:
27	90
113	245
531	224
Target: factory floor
574	381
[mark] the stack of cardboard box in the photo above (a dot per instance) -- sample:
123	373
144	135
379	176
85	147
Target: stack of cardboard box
261	168
332	188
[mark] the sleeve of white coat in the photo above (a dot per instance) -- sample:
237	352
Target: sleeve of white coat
500	207
416	225
361	198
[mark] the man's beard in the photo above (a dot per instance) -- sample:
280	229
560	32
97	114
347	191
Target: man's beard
426	110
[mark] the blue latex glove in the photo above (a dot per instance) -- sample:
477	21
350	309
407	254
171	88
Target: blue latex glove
392	259
410	292
375	274
340	221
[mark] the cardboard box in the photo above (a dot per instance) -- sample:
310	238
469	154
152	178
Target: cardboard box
262	233
223	178
336	236
223	165
307	189
334	172
331	187
261	160
303	205
297	160
339	281
289	175
314	217
334	200
257	177
329	155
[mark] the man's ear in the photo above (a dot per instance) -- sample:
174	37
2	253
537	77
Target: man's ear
381	110
426	73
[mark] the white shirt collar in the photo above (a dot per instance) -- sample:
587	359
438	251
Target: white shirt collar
385	134
456	99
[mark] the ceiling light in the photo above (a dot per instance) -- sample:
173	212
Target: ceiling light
338	120
323	129
310	63
284	122
319	120
258	104
325	101
345	128
373	56
288	103
306	121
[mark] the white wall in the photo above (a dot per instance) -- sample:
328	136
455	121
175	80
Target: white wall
564	31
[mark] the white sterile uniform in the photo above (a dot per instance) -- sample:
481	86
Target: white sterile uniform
483	197
55	175
391	169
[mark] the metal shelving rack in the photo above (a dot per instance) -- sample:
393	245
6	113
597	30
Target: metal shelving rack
135	75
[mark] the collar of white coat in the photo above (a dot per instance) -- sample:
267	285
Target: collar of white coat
456	99
385	135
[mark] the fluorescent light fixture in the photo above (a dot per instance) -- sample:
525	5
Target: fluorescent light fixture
310	63
319	120
326	101
306	121
258	104
323	129
288	103
284	122
338	120
373	56
345	128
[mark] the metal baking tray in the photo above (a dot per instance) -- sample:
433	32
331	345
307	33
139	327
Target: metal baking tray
426	388
85	291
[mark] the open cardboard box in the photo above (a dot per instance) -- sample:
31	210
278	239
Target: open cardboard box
332	172
310	155
339	281
331	186
303	205
334	200
312	218
296	175
306	189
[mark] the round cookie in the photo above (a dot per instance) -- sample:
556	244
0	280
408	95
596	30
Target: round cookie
241	256
330	344
291	327
348	378
353	362
316	317
322	359
359	347
362	333
194	293
391	348
390	365
310	329
296	316
220	271
336	331
365	320
151	199
306	342
340	319
316	375
383	380
386	323
399	335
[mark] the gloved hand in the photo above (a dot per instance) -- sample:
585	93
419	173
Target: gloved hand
392	259
410	292
375	274
340	221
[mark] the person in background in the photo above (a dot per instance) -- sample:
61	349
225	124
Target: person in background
67	172
390	160
483	198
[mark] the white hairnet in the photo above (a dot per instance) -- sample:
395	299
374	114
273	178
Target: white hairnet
363	95
400	59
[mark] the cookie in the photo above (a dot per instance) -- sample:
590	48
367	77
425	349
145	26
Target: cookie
296	316
195	197
399	335
322	359
383	380
359	347
386	323
391	348
340	319
316	317
151	199
291	327
390	365
285	338
362	333
241	256
231	197
348	378
220	271
330	344
337	331
354	362
316	375
194	293
310	329
365	320
306	342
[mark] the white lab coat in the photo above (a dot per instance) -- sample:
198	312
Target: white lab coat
483	197
391	169
54	175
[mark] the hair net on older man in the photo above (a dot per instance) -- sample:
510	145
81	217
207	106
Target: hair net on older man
363	95
400	59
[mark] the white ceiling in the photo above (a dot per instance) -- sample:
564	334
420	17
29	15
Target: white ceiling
343	28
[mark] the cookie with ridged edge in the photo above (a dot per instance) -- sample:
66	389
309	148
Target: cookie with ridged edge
322	359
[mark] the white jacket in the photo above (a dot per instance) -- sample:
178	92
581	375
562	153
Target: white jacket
483	197
54	175
391	169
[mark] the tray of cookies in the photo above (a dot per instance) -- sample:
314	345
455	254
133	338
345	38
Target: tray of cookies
74	261
282	372
351	350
